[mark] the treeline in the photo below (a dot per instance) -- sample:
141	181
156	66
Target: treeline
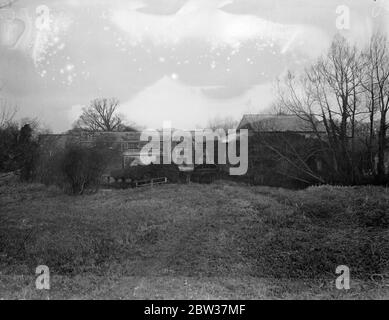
73	167
344	98
18	150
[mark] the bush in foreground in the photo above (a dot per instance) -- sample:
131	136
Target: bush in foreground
82	168
75	169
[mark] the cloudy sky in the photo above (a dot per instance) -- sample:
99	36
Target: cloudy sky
184	61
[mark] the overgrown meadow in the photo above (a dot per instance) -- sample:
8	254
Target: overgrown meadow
224	240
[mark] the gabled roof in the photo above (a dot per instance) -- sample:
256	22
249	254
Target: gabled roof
277	123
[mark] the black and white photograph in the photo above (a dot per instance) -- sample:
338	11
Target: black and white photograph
218	151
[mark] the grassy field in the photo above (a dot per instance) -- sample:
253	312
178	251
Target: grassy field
219	241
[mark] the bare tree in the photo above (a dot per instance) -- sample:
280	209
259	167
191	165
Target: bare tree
370	101
7	112
101	115
225	123
331	90
378	57
278	109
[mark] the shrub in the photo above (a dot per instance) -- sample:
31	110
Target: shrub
27	153
133	173
169	171
48	168
205	173
140	172
82	168
8	148
75	168
18	150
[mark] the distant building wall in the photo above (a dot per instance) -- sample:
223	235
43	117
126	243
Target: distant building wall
127	144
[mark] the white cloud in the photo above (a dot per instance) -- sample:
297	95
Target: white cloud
186	106
204	19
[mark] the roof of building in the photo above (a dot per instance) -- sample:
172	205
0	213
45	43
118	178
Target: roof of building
277	123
